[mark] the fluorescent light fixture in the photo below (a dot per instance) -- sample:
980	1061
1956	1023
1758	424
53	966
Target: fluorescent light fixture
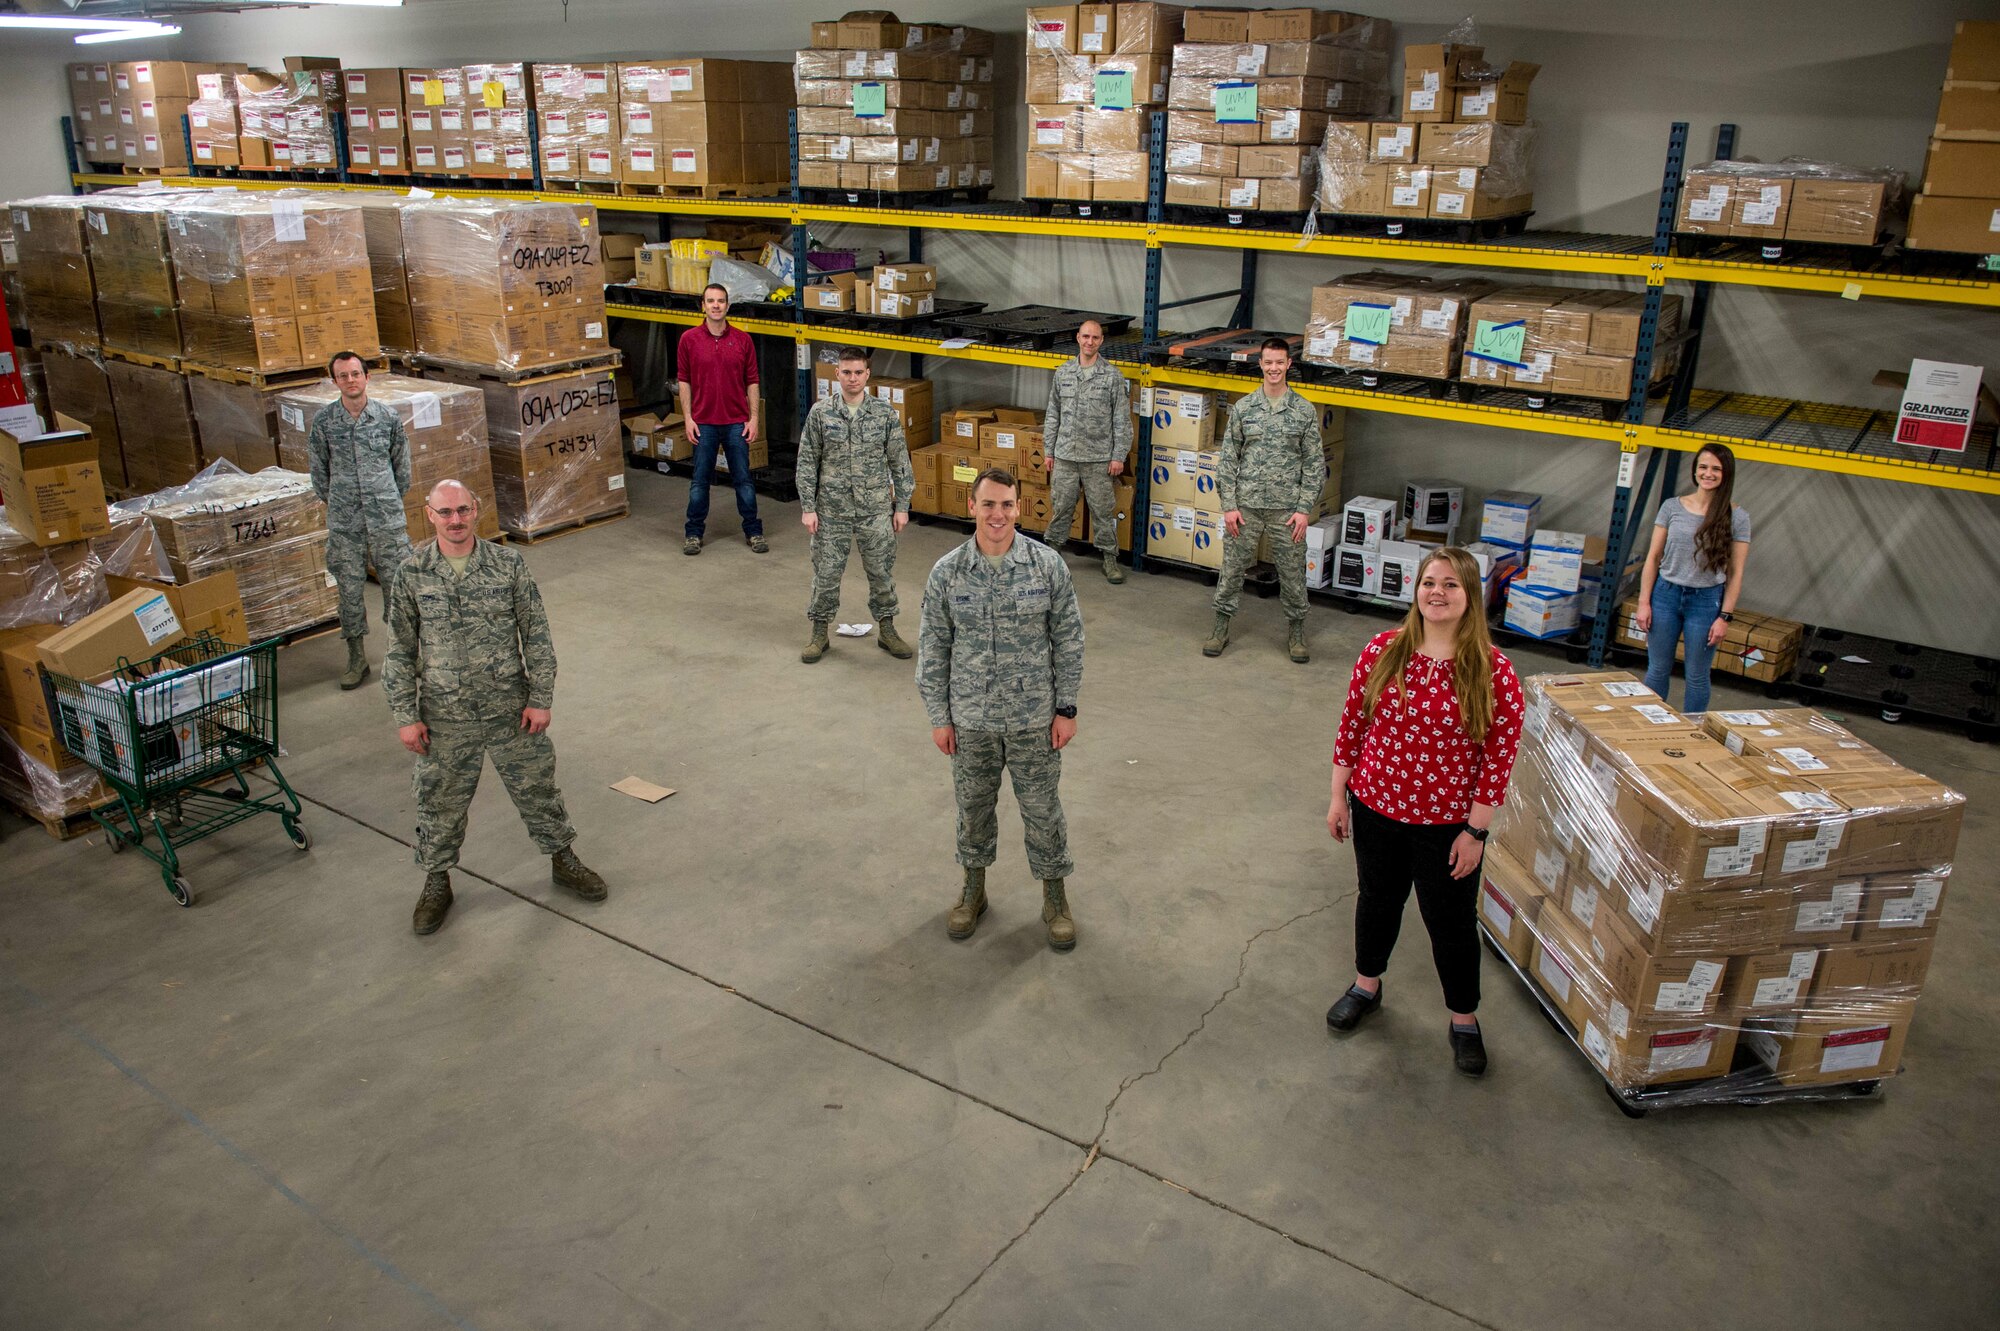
126	34
374	4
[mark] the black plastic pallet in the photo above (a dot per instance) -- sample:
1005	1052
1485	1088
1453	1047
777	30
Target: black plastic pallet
1901	677
1035	327
882	198
1239	351
1248	219
1461	231
919	326
1092	212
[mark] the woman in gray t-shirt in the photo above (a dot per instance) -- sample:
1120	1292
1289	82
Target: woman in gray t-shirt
1694	573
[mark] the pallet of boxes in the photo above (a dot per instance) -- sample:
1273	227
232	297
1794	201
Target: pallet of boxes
1793	201
1252	94
378	134
887	107
1461	149
1184	515
1095	76
1959	205
508	298
92	120
147	103
1733	909
576	107
1565	342
703	128
1379	324
1758	647
290	121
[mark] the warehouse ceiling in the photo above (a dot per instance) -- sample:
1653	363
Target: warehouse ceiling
140	9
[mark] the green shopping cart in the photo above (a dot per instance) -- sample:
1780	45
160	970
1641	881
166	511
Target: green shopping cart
173	736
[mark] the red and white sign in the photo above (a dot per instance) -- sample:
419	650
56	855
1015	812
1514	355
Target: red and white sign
1937	405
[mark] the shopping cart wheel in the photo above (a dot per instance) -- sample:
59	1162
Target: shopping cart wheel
114	839
182	892
300	839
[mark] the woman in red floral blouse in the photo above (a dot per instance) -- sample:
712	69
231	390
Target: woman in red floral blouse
1426	745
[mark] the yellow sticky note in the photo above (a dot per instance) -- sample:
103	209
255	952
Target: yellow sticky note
494	93
1852	291
433	92
964	475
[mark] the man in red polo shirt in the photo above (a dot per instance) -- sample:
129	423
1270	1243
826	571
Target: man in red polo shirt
717	369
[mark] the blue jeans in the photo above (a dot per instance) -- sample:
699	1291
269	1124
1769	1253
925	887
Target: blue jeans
1678	610
728	438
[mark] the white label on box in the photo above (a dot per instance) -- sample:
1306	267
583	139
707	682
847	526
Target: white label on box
1183	518
1583	905
1594	1044
1683	997
1775	993
1450	204
1548	868
1829	834
642	159
1606	778
1435	321
1179	154
1744	718
1657	714
1853	1049
1361	351
1994	223
1808	801
1496	910
1399	311
483	152
97	223
1476	103
454	158
1405	196
1431	80
288	219
1706	210
1322	345
1251	62
1734	743
1816	917
1760	214
515	157
203	150
1752	837
1468	178
615	483
1680	1051
598	162
1628	689
1423	100
156	621
843	147
1803	962
1285	128
558	159
420	122
1554	978
680	79
1771	194
1900	913
1646	906
1705	975
593	331
1804	855
1244	195
596	122
640	119
425	411
1929	892
1054	132
197	120
1728	862
1802	759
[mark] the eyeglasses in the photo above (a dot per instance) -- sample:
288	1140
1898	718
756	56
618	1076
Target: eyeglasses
463	512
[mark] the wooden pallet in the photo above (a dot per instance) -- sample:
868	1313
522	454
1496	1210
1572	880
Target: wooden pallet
567	528
307	632
65	828
231	374
767	190
609	187
529	374
143	358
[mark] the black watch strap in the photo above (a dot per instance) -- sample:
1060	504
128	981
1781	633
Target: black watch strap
1477	833
1067	713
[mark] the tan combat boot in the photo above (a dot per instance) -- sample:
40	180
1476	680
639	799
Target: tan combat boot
1218	639
817	647
1296	648
964	917
432	903
566	870
892	642
357	666
1055	914
1113	572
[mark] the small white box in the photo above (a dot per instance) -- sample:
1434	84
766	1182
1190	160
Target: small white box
1322	538
1433	505
1539	612
1507	517
1555	561
1396	574
1357	570
1365	523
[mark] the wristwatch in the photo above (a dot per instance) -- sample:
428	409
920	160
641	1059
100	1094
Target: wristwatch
1725	616
1477	833
1067	713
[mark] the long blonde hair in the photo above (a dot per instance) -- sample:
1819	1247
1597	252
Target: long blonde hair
1471	657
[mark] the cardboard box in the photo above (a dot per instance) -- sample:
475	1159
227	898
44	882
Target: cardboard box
1961	225
22	702
1508	517
1215	25
1503	100
1770	983
211	604
1759	206
1356	571
1823	913
1181	476
1182	419
1839	212
54	484
1901	907
1170	531
1962	170
135	627
1975	53
1510	900
1050	28
1823	1049
1968	112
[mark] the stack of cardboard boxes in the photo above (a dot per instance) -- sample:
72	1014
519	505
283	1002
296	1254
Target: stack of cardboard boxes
1387	323
148	100
268	529
505	287
577	109
289	121
1959	208
1184	501
892	106
157	433
1792	200
555	449
706	124
235	419
973	439
1761	889
445	424
54	264
214	130
1462	148
270	284
78	386
388	269
889	291
133	273
1566	581
499	106
1376	547
1252	93
1760	647
439	129
1559	340
95	135
378	139
1096	74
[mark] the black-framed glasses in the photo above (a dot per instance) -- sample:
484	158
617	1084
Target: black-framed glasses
464	511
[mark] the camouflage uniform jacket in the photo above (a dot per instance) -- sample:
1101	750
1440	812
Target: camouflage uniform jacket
1271	455
999	650
360	466
856	467
1090	413
475	645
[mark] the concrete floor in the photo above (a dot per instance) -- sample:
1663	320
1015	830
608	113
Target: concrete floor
760	1088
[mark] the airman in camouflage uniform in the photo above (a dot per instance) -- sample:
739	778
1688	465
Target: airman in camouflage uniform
1086	436
360	470
471	674
1273	466
855	486
999	665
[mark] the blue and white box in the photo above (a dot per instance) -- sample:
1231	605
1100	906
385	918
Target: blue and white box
1540	612
1555	561
1508	517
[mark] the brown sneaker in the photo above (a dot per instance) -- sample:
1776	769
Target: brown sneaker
691	546
1055	914
432	903
758	545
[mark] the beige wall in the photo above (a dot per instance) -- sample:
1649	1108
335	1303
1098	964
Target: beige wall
1844	79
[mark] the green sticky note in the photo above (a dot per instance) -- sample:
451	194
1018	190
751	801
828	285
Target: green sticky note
1500	341
1114	89
1368	323
870	100
1236	103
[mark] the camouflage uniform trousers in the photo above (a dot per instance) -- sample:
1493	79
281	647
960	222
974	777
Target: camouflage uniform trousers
1091	478
876	536
348	551
1239	552
448	776
1031	759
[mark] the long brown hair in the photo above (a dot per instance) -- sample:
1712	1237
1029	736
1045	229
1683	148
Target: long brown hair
1471	657
1712	538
